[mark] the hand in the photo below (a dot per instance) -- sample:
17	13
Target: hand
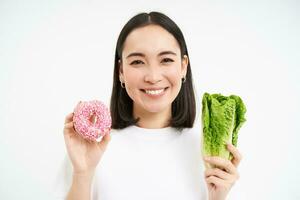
84	154
219	180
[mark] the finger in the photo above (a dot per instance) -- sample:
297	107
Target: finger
222	163
104	142
218	173
237	156
69	130
69	118
215	180
69	125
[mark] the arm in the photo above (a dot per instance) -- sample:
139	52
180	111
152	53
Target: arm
85	156
81	187
220	179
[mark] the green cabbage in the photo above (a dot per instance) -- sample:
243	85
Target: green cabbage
222	117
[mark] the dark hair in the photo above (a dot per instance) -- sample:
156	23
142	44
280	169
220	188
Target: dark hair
121	105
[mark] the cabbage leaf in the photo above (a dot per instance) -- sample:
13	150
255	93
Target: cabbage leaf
222	117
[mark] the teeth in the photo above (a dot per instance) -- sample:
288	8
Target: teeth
154	91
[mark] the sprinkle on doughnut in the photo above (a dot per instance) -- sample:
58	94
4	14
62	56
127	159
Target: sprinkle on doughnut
92	119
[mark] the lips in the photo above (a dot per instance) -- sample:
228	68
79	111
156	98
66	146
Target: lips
154	91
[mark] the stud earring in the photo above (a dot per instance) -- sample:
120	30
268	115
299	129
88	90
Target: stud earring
122	84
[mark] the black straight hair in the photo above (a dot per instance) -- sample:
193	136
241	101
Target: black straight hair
121	105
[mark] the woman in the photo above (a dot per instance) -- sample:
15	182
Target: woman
154	152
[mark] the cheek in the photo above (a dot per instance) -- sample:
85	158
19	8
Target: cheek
132	78
174	76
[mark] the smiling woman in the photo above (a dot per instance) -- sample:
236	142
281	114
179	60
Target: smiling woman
152	151
152	75
152	64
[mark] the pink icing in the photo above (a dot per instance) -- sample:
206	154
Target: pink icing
92	119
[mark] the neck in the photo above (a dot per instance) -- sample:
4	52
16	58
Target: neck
152	120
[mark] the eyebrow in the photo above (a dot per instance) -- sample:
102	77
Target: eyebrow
143	55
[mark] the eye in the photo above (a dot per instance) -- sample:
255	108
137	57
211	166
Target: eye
168	60
136	62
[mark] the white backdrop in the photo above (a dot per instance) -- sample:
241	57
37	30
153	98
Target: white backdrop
55	53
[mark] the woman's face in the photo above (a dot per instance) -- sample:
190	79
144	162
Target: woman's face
152	68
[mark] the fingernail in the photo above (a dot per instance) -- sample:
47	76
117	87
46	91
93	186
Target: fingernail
206	158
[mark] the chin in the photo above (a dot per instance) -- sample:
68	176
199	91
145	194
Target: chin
155	109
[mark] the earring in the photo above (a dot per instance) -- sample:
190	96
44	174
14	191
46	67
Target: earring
122	84
183	79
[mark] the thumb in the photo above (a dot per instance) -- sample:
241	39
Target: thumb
104	142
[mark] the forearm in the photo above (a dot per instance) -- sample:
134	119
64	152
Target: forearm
216	198
81	187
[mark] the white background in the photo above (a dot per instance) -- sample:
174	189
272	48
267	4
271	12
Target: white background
55	53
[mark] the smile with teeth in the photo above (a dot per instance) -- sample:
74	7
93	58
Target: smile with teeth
155	92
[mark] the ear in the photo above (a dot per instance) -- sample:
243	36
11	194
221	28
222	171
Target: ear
184	64
120	70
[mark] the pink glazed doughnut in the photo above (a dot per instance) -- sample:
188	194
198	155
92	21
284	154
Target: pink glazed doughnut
92	120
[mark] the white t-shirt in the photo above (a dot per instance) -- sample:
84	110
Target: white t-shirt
146	164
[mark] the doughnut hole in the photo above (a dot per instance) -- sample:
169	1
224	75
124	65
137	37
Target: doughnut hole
93	119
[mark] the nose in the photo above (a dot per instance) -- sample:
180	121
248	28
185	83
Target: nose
153	75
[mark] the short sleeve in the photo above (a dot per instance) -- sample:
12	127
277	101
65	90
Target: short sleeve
63	179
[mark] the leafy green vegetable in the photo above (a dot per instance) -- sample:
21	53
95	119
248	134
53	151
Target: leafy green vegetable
222	117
